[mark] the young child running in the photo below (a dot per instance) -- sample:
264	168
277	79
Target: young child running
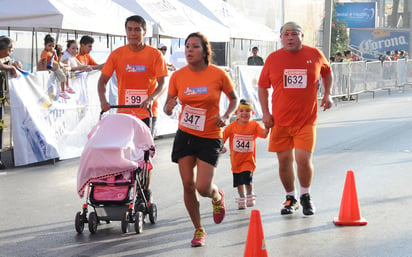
242	134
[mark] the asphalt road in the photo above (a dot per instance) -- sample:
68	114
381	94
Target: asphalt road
372	137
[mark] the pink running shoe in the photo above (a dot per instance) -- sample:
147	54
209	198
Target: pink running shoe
64	95
70	90
219	209
199	237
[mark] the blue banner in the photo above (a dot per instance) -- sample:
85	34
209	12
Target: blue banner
356	15
374	42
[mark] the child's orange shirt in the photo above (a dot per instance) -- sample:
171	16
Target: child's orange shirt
48	55
199	94
242	142
136	74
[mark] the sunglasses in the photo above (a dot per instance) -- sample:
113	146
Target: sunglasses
163	49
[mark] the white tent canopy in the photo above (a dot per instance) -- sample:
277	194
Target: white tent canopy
176	20
240	26
97	16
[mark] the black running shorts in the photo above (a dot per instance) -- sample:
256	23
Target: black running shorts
206	149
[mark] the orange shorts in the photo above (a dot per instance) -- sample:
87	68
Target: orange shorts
286	138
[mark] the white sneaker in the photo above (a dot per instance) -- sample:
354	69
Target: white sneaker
250	200
241	203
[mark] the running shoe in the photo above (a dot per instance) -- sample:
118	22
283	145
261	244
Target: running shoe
291	205
250	200
64	95
307	205
241	203
199	237
70	90
219	209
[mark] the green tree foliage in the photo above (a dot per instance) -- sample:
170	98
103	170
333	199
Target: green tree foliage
339	34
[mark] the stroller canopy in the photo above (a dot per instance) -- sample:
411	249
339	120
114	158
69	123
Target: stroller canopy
116	145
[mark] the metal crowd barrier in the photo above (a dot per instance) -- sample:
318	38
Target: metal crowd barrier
353	78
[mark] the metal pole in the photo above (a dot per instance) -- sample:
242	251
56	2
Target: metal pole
327	28
410	28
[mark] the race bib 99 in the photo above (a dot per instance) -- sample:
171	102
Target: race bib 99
135	96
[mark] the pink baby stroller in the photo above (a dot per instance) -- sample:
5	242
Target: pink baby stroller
114	168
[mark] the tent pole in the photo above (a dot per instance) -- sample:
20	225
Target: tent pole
37	48
32	49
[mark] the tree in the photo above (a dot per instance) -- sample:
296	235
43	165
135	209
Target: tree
339	34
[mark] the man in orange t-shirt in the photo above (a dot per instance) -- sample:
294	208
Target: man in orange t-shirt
140	71
293	73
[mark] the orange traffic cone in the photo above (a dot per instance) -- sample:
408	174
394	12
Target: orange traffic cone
349	214
255	243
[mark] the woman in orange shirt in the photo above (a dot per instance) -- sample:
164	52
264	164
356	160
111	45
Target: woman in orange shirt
198	140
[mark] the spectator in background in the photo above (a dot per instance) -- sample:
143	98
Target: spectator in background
388	55
71	63
338	57
348	56
50	61
69	57
6	64
163	49
86	45
255	59
395	55
332	59
401	54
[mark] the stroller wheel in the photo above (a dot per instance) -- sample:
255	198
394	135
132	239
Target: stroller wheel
138	222
93	222
78	223
153	213
141	207
125	222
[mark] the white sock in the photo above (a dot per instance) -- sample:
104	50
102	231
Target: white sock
304	190
292	193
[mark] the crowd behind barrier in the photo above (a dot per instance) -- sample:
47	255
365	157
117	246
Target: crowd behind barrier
45	126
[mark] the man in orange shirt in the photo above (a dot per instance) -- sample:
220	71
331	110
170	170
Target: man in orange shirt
86	45
293	72
140	71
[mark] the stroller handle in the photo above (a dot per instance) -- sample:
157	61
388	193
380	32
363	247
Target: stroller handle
128	106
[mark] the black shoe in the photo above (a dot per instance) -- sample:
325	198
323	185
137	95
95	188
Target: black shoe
291	205
307	205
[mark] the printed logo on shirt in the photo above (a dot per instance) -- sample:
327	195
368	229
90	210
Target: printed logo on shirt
197	90
135	68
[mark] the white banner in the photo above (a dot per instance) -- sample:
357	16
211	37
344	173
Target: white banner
46	126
